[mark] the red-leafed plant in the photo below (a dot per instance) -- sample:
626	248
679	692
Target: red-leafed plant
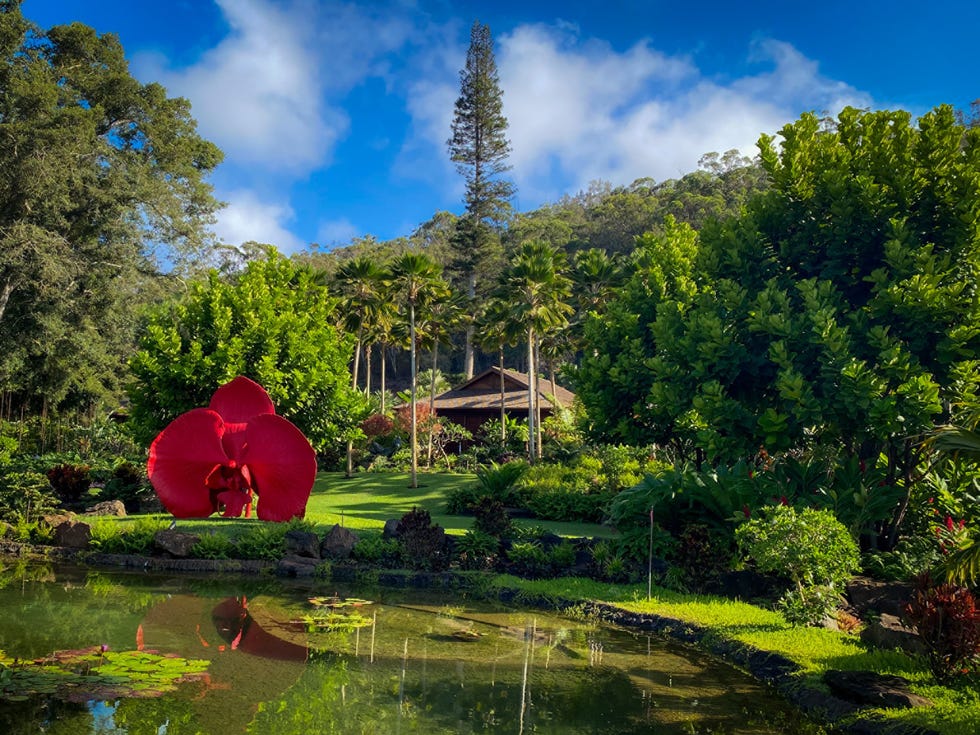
377	425
948	622
69	481
220	457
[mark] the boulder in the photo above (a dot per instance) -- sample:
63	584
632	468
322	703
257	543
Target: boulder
73	534
888	631
338	543
176	544
391	528
865	595
876	690
56	519
297	566
107	508
302	543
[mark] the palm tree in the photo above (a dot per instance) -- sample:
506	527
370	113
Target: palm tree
536	288
495	330
359	282
441	318
963	565
417	280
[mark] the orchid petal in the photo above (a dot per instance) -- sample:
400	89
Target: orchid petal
241	399
182	457
283	467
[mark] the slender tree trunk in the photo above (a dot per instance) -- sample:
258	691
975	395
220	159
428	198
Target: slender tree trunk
383	350
8	289
470	330
537	395
367	369
414	393
349	469
503	397
531	444
432	401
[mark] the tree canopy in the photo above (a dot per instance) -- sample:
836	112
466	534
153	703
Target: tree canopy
102	179
274	324
841	308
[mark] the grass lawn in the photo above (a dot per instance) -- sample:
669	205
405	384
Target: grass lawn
368	499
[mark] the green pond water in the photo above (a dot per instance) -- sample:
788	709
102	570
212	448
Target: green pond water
98	652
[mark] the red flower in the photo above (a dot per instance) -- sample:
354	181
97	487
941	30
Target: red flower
215	457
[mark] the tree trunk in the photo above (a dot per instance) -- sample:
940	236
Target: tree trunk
503	395
531	445
8	289
367	370
432	400
414	392
537	395
470	330
383	350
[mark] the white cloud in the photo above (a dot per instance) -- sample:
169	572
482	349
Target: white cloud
257	94
269	93
248	218
588	112
579	110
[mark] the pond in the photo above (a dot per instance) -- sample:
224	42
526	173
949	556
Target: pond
109	652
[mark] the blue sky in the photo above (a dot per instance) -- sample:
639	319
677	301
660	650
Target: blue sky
334	116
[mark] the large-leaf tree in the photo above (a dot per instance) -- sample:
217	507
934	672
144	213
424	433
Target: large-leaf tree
274	323
836	313
101	178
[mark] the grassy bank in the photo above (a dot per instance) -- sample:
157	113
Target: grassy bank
956	709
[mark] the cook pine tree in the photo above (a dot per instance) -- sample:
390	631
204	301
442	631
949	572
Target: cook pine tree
479	148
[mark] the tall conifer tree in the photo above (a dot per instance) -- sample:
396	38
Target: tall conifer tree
479	148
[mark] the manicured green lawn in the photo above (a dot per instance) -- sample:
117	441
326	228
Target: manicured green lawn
368	499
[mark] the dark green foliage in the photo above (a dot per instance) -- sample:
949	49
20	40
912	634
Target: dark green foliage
70	481
477	550
267	541
701	556
373	548
495	481
422	542
127	483
99	174
948	623
528	559
490	517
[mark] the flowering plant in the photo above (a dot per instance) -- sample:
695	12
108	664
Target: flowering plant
222	456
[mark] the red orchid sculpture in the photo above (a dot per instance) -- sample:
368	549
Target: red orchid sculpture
218	457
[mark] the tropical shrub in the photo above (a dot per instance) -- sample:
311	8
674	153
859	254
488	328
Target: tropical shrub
267	541
213	546
700	556
947	620
811	548
496	481
25	496
375	549
477	550
70	481
422	542
490	517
